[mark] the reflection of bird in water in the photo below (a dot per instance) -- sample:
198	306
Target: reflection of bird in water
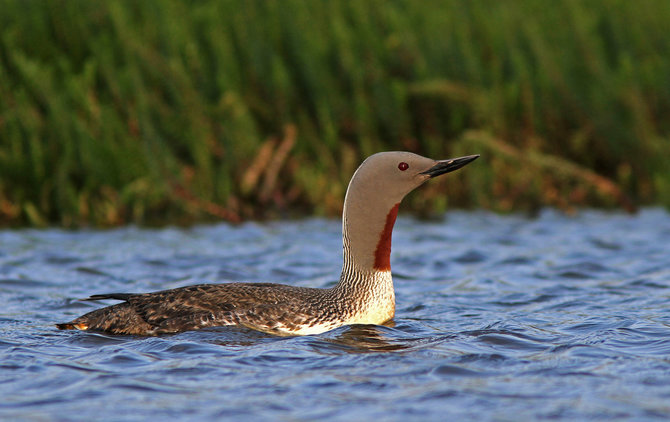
366	338
364	294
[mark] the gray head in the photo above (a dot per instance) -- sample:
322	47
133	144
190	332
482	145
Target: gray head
392	175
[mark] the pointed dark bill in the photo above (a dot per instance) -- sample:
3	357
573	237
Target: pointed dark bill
445	166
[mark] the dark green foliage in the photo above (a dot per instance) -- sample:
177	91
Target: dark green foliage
157	111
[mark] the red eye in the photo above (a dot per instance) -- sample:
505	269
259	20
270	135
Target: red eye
403	166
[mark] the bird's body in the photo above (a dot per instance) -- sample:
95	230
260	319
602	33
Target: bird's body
273	308
363	295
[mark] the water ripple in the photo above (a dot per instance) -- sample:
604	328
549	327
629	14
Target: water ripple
498	318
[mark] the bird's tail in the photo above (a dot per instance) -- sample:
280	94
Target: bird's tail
117	296
78	324
72	326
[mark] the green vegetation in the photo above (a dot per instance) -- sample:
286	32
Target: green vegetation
177	111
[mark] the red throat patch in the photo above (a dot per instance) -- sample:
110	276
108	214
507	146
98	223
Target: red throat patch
383	251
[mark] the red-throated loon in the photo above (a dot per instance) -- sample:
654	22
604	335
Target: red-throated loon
364	294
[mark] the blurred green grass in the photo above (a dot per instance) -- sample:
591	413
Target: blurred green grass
179	111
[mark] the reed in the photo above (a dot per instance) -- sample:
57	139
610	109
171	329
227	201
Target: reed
178	111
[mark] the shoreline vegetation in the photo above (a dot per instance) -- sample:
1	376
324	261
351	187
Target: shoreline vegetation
174	112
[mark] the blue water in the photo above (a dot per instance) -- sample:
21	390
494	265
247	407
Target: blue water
498	318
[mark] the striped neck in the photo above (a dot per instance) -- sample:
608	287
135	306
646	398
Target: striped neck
366	284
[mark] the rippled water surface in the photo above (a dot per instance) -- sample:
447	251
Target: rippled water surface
498	318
